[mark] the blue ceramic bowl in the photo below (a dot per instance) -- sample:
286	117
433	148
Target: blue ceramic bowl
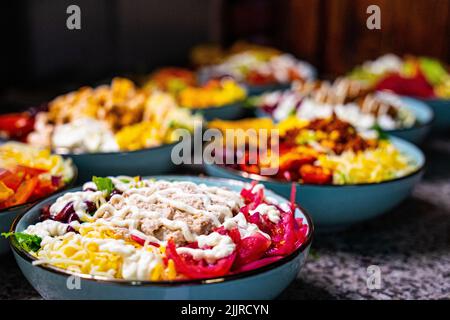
263	283
336	207
132	163
258	90
441	110
8	215
416	134
232	111
424	115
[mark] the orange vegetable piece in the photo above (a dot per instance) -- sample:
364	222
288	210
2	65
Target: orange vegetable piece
23	193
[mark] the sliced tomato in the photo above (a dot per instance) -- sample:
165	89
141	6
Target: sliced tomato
257	78
248	249
251	249
10	179
16	125
200	269
315	175
23	193
293	161
417	86
28	171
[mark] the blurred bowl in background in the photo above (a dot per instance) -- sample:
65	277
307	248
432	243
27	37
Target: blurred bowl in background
150	161
441	109
8	215
336	207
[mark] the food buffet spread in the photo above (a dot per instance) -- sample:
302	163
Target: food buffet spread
347	151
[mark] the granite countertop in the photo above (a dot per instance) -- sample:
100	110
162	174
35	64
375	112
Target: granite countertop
410	245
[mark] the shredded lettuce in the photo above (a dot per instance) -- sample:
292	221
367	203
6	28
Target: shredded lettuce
29	242
103	184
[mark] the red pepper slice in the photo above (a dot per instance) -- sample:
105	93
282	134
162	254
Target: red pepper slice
10	179
315	175
28	171
142	241
251	249
194	269
16	125
23	193
43	188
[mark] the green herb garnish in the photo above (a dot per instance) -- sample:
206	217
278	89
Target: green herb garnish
382	135
103	184
29	242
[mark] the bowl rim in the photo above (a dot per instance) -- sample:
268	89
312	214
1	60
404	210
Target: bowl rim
235	104
170	283
430	99
29	204
260	178
113	153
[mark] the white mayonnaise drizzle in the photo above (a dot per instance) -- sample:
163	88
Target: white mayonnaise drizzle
222	246
147	203
78	201
272	213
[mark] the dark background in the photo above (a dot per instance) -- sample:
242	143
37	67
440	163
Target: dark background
40	57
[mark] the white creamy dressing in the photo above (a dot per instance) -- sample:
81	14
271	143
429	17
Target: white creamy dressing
123	210
47	228
128	209
280	66
272	213
84	135
246	229
387	63
78	201
222	246
289	102
258	187
140	265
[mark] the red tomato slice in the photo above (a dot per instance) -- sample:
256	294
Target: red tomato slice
16	125
315	175
194	269
251	249
28	171
11	180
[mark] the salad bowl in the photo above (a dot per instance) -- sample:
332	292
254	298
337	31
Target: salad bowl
266	282
232	111
148	161
256	90
425	117
416	134
8	215
441	109
336	207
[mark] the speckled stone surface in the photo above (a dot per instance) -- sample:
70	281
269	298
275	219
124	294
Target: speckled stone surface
411	246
